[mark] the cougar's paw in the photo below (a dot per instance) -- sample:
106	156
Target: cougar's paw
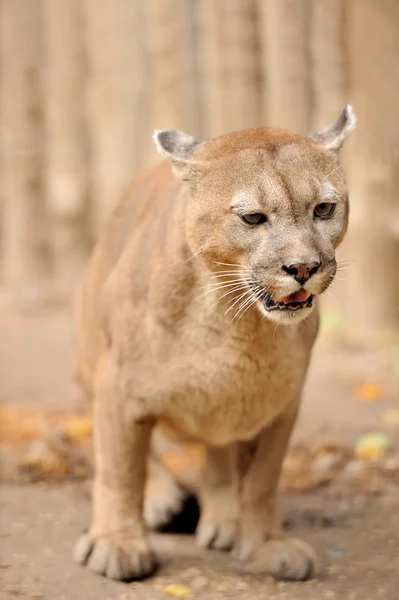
220	536
114	557
288	559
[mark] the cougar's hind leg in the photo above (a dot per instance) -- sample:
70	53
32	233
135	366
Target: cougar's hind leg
164	497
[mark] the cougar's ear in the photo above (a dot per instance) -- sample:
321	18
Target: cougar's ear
177	147
334	136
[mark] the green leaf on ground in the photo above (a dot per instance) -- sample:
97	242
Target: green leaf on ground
373	446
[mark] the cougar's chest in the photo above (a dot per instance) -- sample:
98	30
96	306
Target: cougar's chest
222	391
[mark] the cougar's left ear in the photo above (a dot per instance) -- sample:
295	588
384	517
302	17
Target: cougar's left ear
177	147
334	136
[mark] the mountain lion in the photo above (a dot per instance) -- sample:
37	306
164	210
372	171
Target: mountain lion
197	318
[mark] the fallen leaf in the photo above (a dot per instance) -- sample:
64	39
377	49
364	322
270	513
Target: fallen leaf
176	590
77	429
372	446
21	425
369	392
40	461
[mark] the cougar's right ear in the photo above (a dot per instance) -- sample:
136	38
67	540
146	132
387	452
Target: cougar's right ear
177	147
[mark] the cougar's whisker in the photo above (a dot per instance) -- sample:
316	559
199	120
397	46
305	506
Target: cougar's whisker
237	289
333	171
195	254
255	299
220	286
225	273
228	264
237	300
243	305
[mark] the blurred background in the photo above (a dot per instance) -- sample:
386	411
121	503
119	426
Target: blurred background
83	85
85	82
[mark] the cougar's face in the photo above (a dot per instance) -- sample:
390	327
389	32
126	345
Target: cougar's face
266	212
273	220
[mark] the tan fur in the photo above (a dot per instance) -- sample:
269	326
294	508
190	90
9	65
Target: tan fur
160	345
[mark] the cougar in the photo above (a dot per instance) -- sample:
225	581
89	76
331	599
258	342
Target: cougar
197	319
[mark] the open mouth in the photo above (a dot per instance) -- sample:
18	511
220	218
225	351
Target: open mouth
294	302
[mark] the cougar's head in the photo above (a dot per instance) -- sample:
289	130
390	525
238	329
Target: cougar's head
266	210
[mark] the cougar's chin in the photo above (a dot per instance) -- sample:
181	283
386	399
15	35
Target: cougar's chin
287	316
288	309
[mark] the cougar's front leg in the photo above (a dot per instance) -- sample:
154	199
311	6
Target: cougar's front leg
217	527
116	543
262	544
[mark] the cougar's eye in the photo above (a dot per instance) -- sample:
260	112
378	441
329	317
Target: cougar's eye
254	219
325	210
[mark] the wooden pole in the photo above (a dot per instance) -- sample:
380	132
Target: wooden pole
284	26
328	60
373	299
23	229
171	94
115	100
230	45
66	174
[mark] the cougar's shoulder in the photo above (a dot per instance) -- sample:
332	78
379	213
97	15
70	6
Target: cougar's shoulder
131	214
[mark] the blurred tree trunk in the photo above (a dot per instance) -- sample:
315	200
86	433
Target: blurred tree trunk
172	90
330	88
231	65
65	118
373	300
284	28
116	105
328	60
23	227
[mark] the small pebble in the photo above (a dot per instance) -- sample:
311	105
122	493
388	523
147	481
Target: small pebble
336	553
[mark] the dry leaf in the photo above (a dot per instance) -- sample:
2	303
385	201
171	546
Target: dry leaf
21	425
40	461
176	590
369	392
372	446
78	429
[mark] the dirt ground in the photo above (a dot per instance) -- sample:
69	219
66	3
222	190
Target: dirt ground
356	533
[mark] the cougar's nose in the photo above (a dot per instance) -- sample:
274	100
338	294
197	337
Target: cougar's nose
301	272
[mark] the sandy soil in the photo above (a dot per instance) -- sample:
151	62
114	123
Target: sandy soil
357	537
38	527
